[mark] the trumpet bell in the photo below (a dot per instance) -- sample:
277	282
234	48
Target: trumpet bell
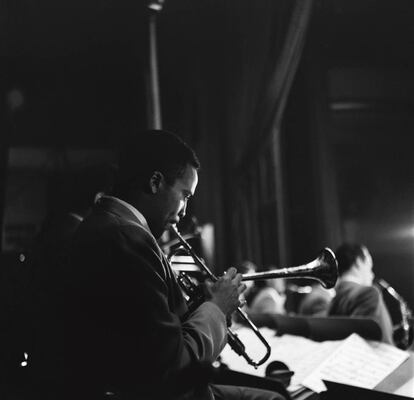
327	269
324	269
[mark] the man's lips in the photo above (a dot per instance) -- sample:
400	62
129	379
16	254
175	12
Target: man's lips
173	222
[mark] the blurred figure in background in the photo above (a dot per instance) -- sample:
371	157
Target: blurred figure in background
72	198
316	302
356	296
263	296
73	195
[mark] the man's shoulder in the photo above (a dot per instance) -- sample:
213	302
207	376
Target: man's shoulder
357	289
371	293
112	235
364	296
107	223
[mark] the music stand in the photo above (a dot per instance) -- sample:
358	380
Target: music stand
338	328
319	328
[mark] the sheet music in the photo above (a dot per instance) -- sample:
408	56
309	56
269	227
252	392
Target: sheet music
301	355
353	361
356	362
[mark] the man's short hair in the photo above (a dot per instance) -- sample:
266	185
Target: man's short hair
346	255
153	150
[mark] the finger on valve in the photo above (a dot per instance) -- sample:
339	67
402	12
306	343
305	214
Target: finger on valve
230	273
241	288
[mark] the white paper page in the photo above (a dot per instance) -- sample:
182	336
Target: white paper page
254	348
357	362
301	355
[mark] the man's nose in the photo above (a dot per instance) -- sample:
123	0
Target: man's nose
183	210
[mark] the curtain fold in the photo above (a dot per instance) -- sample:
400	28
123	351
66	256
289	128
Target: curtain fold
257	166
237	60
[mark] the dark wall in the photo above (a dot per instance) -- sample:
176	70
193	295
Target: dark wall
357	75
75	74
72	72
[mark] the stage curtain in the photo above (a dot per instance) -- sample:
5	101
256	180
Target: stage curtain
236	60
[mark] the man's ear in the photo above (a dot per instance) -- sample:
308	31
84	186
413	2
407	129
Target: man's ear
156	181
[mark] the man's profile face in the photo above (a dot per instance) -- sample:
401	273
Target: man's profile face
170	201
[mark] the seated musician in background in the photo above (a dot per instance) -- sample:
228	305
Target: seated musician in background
69	207
316	302
128	332
263	296
40	313
356	296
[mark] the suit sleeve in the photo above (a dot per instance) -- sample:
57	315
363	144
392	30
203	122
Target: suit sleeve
144	286
206	326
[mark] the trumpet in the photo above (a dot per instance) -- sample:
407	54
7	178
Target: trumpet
324	269
195	297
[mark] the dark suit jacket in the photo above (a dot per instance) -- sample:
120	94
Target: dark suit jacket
355	300
123	310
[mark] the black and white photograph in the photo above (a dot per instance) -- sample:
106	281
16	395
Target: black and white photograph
206	199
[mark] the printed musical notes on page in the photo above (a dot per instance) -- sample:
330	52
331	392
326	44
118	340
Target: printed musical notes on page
356	362
301	355
353	361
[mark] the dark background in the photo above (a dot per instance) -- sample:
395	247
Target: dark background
74	80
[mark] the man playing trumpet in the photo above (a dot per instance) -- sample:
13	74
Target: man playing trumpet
126	329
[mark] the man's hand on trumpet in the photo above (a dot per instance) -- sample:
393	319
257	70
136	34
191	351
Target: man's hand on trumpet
226	291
